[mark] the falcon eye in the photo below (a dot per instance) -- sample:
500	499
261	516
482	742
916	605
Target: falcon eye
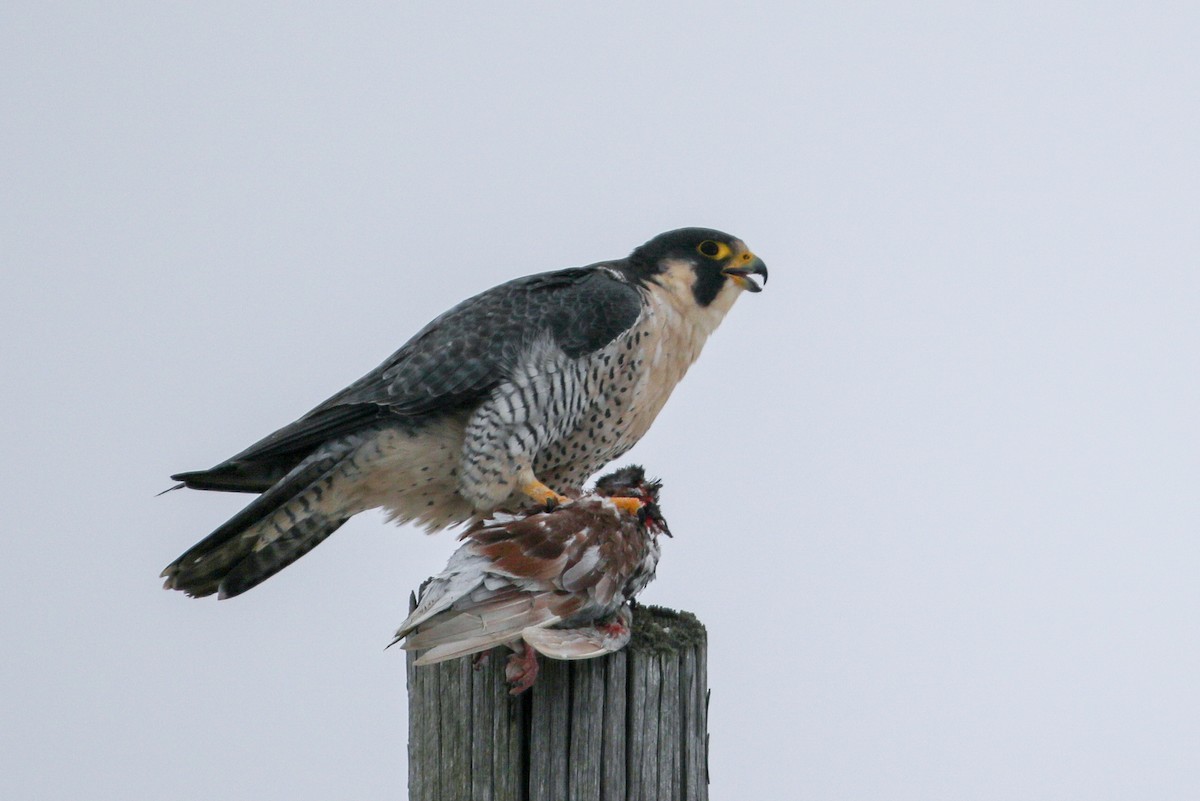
713	250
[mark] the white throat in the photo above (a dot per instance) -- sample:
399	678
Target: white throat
674	287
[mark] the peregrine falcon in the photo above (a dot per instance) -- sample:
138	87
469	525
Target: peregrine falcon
559	582
512	398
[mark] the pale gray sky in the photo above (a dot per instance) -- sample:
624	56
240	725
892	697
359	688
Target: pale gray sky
934	491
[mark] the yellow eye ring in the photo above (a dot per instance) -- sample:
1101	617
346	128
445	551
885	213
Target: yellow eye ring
712	249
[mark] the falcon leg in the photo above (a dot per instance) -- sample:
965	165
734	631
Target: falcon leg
540	493
522	669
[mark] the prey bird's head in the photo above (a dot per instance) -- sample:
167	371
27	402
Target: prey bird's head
631	482
706	263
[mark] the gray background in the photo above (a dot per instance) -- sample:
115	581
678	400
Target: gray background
934	490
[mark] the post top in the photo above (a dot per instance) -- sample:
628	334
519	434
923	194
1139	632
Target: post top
657	629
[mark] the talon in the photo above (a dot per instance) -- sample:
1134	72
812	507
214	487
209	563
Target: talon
543	495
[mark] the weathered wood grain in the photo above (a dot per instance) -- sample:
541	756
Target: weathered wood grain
549	732
585	764
629	726
614	739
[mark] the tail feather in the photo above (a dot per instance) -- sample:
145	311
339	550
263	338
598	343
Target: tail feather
260	565
510	616
569	644
583	642
271	532
480	642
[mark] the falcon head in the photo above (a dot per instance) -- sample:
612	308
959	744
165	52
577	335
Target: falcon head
631	482
706	263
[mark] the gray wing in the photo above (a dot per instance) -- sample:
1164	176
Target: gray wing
451	364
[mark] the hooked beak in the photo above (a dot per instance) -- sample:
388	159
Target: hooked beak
744	266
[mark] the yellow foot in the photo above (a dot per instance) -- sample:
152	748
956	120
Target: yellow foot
628	505
543	495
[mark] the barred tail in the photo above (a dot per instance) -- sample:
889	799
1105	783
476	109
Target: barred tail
277	528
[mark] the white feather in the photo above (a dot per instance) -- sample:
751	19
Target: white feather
586	564
473	645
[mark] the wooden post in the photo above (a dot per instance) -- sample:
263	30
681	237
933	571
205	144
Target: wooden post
631	726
